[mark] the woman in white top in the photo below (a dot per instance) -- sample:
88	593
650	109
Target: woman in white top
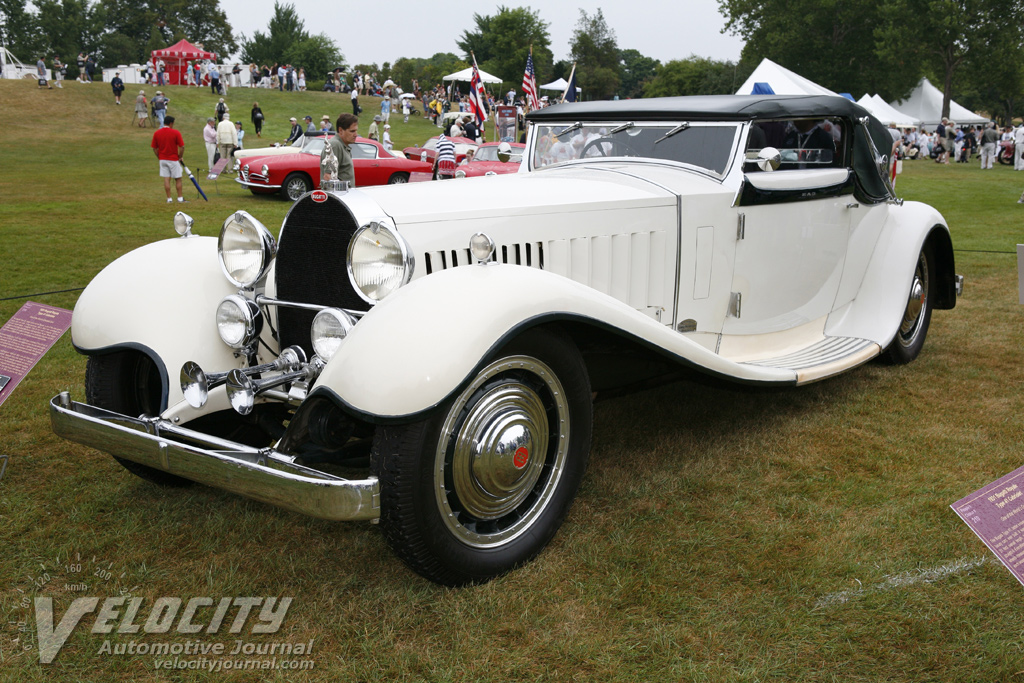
301	82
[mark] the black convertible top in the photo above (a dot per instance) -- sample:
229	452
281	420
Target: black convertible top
703	108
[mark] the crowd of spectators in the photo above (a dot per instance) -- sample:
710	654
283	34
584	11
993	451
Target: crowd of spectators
950	142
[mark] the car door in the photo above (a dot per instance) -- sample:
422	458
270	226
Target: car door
366	165
793	230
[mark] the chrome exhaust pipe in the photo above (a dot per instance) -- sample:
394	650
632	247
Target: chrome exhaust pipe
242	390
196	384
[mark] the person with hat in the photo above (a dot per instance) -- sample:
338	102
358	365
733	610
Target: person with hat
325	124
257	119
227	137
310	128
59	71
296	132
388	145
374	132
141	112
159	105
219	110
117	85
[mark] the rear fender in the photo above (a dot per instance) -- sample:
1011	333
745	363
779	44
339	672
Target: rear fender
877	310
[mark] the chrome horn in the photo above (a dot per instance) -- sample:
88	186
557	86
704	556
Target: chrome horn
242	391
196	384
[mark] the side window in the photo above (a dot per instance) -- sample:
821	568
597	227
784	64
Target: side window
802	143
361	150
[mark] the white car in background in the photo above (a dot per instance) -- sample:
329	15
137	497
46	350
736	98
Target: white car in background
426	356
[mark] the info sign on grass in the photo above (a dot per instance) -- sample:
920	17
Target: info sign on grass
25	338
996	514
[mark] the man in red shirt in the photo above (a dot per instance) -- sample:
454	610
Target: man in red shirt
169	147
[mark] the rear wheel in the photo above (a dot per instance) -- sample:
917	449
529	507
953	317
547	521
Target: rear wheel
296	185
129	382
398	178
917	315
482	485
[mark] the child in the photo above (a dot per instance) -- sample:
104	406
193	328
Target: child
239	133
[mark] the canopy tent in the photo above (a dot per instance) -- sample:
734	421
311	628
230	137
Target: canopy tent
176	58
467	76
925	105
885	113
770	78
560	85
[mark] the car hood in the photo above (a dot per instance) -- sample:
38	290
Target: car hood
565	190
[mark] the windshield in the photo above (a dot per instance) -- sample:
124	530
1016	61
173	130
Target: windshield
313	146
705	145
491	154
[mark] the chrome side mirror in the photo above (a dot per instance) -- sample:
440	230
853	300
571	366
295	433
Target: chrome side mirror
768	159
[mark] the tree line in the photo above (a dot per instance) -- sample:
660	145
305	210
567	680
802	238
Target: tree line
973	48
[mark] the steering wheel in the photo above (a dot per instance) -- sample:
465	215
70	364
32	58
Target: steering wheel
609	147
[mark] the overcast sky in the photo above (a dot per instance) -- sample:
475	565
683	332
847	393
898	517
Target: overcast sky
377	32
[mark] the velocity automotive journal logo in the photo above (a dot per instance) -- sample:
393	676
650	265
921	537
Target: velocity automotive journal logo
193	616
215	629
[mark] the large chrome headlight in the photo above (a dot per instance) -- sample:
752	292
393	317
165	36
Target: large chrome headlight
246	249
379	262
238	321
329	329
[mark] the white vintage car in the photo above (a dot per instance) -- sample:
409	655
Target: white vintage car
426	356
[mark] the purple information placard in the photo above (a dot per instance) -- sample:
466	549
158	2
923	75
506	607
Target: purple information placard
996	514
25	338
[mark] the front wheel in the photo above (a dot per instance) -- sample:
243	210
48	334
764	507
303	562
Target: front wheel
128	382
296	185
917	315
482	485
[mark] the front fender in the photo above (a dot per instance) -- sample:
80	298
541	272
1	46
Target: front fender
163	298
418	346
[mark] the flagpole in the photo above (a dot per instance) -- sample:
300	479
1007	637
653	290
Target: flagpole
571	74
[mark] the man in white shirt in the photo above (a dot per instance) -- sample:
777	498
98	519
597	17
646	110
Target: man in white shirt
1018	147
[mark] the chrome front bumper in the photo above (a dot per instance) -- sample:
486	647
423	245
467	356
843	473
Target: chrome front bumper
261	474
263	186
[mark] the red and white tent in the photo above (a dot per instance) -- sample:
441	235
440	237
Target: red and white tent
176	58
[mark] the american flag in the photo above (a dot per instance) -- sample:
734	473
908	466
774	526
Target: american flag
476	96
530	84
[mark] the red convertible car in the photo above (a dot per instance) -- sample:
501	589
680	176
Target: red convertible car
293	175
429	149
488	160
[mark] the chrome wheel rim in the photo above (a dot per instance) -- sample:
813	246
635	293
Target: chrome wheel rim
398	180
296	188
917	305
501	452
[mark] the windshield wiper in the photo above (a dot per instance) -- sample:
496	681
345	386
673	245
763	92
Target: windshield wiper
575	126
678	129
619	129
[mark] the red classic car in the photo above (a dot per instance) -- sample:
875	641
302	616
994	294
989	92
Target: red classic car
296	174
429	149
487	160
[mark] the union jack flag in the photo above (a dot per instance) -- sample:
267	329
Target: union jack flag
530	84
477	97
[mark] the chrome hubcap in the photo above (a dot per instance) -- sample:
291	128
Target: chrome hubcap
501	451
913	315
296	189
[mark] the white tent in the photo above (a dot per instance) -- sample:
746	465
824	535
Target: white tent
882	111
560	85
467	76
781	80
11	66
925	105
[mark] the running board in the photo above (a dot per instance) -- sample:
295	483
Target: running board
828	357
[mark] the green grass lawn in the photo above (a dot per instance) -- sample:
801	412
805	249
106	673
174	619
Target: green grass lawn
721	533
